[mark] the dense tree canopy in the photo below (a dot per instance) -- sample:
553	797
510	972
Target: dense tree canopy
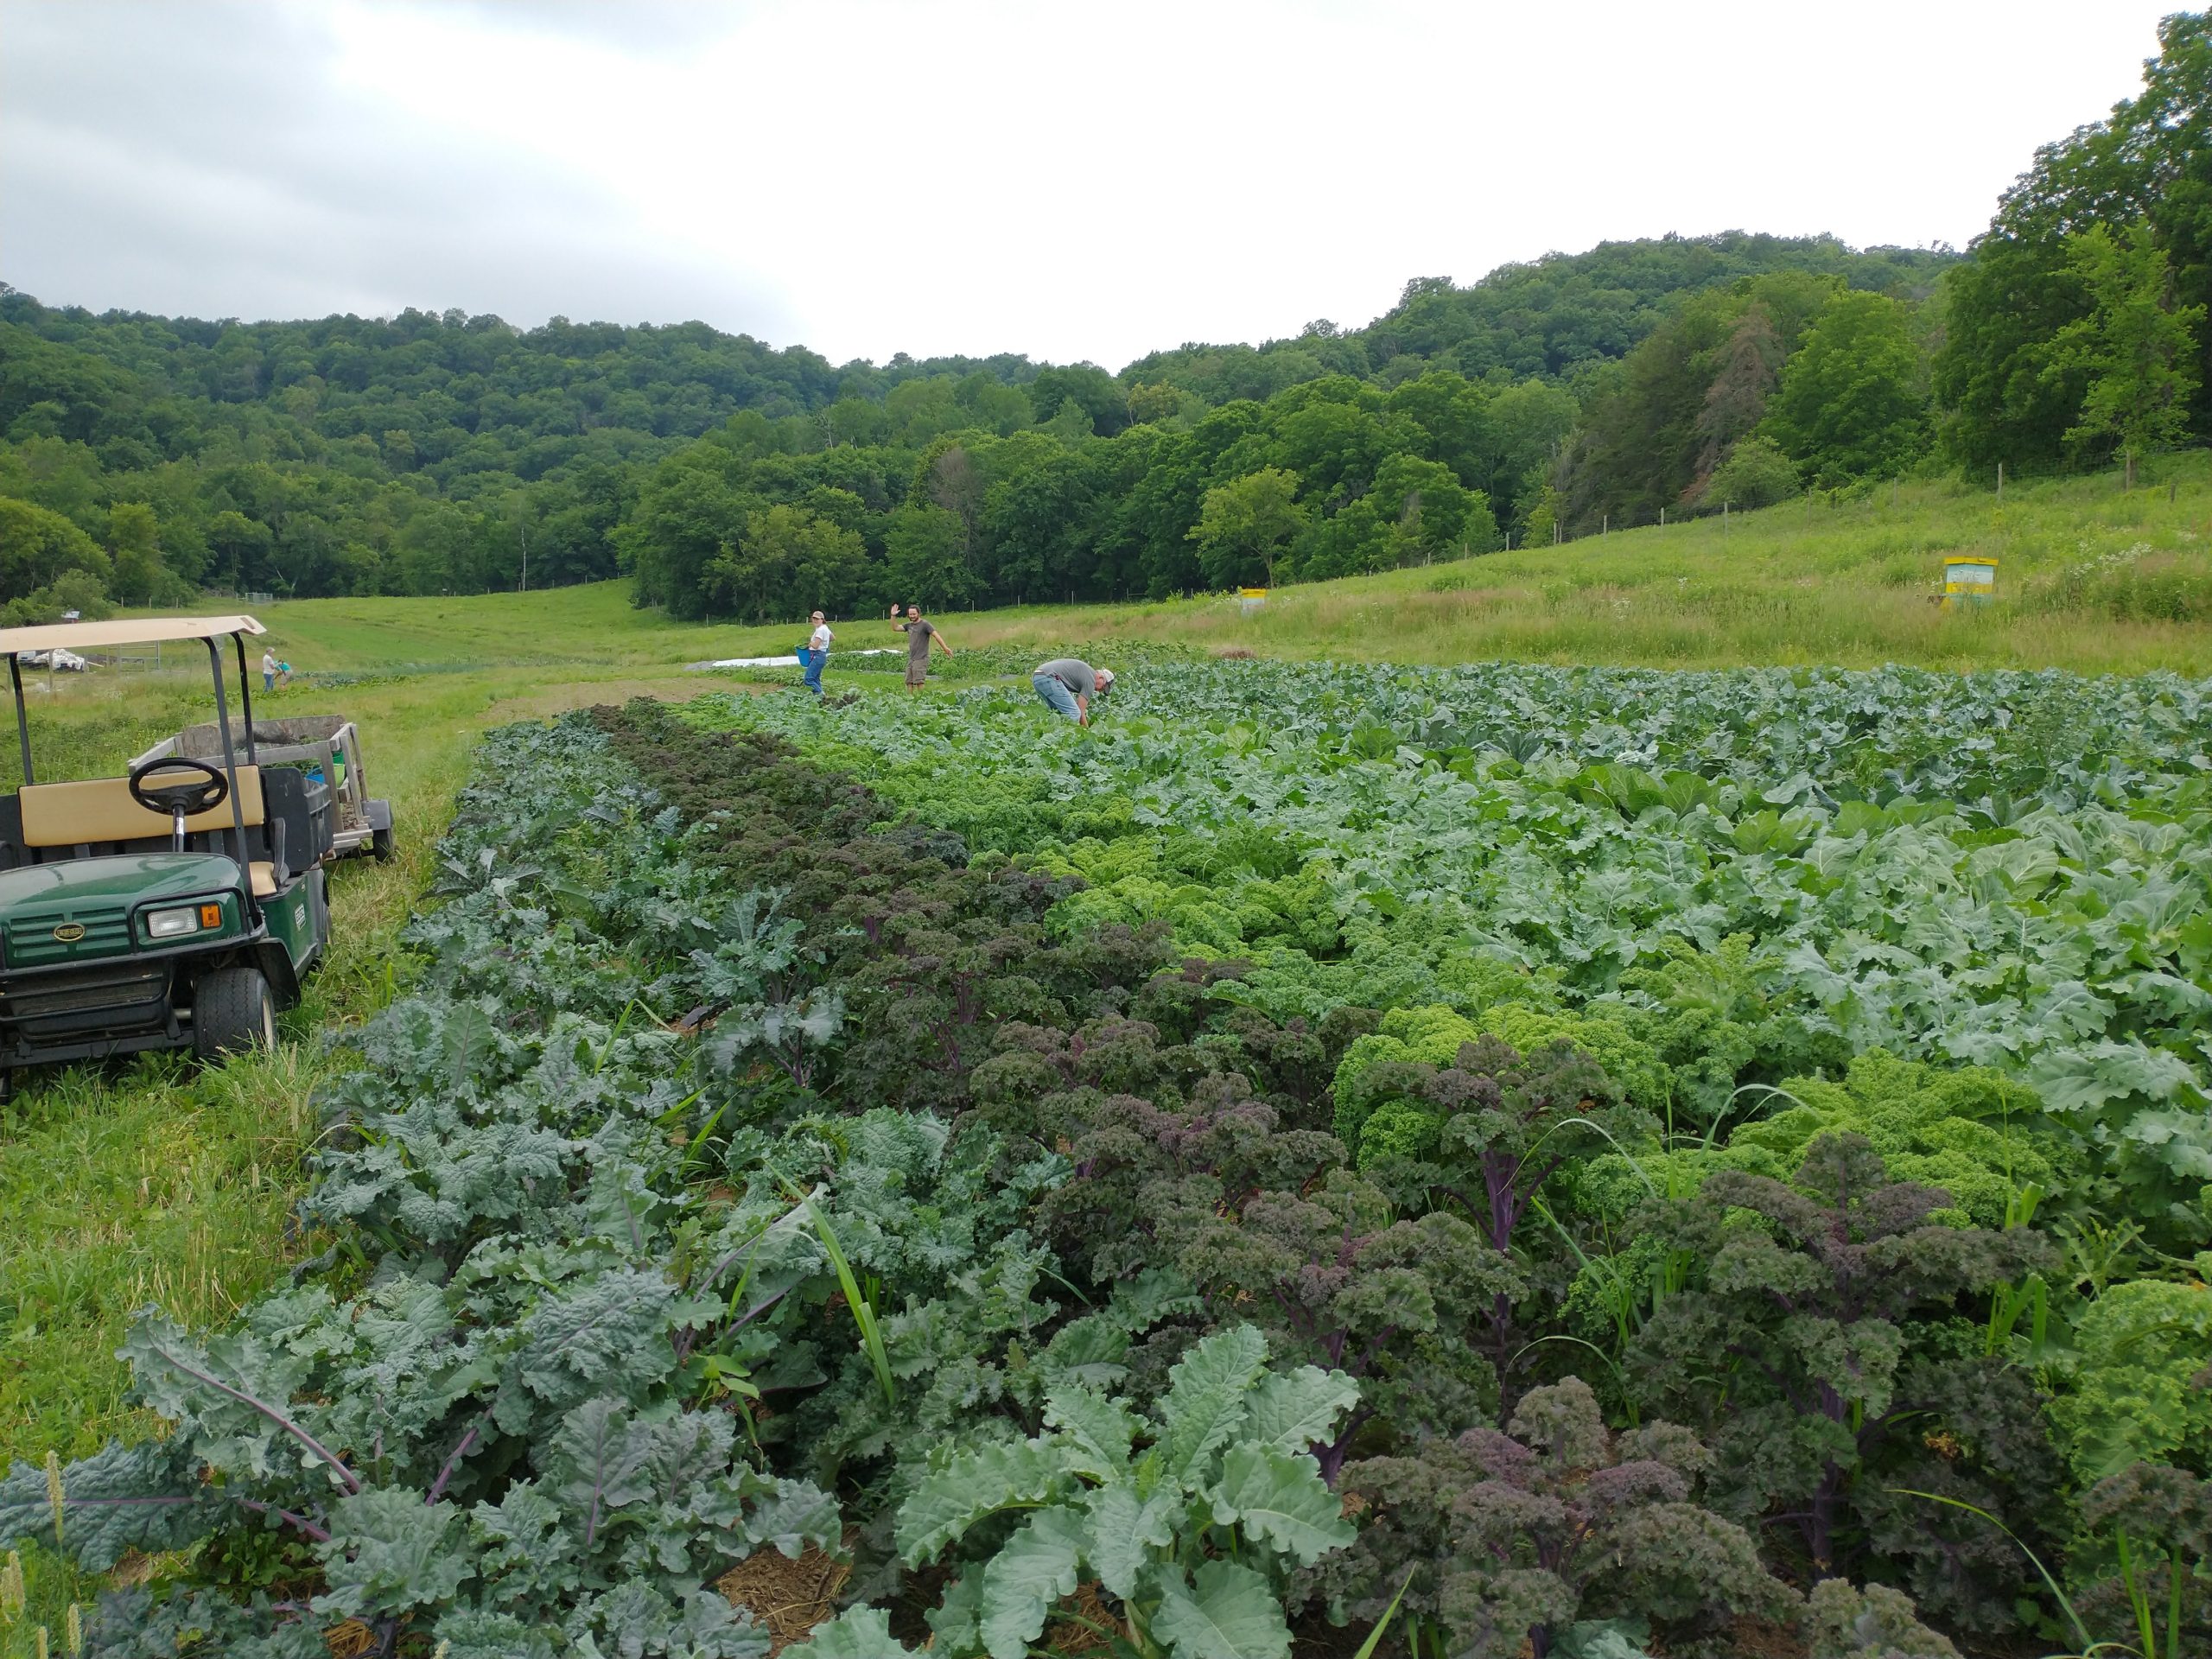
433	453
2015	366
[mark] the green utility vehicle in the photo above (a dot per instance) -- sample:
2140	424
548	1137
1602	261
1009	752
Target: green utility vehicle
179	906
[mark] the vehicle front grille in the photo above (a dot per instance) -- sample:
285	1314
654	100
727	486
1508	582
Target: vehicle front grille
31	942
99	996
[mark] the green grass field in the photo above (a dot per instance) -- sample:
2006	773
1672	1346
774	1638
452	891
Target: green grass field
2091	578
157	1182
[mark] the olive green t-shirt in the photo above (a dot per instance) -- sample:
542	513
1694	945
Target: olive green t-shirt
1078	676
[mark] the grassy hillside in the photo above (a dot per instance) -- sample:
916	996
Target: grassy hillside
2091	578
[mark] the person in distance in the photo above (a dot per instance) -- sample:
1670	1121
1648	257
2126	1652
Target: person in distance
816	653
1068	685
921	634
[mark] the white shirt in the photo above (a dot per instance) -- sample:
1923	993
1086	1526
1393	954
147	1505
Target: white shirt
821	641
269	662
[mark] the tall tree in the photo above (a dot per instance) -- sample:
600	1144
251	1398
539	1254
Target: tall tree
1637	446
38	546
1244	524
2135	347
1853	401
1431	515
925	561
1751	369
949	477
784	563
135	549
2006	392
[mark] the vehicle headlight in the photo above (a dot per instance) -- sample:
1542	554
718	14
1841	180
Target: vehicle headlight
184	919
172	924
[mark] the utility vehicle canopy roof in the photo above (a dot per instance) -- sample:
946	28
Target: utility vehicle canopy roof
133	631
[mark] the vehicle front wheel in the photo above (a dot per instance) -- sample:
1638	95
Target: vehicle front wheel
232	1012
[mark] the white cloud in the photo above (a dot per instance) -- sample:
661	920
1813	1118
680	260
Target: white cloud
1068	180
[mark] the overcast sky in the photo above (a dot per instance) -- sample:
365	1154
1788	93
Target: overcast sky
1067	179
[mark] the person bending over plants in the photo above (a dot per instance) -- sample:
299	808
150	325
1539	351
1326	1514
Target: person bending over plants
1069	683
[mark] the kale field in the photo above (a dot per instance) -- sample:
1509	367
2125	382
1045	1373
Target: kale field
1437	1162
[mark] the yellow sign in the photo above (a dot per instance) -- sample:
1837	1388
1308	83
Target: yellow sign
1251	593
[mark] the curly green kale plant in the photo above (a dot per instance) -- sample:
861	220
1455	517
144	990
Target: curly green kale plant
2137	1391
1715	1024
1844	1622
1191	1520
1433	1035
1976	1133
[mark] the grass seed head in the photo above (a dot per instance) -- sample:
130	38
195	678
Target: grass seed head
53	1491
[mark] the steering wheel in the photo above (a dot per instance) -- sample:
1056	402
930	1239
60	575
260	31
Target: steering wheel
179	798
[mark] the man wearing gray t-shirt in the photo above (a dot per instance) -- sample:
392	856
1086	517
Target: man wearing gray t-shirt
1068	683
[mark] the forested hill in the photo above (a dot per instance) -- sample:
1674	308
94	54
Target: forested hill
455	395
422	452
1552	317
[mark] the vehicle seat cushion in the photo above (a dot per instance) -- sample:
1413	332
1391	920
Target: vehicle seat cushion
100	810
